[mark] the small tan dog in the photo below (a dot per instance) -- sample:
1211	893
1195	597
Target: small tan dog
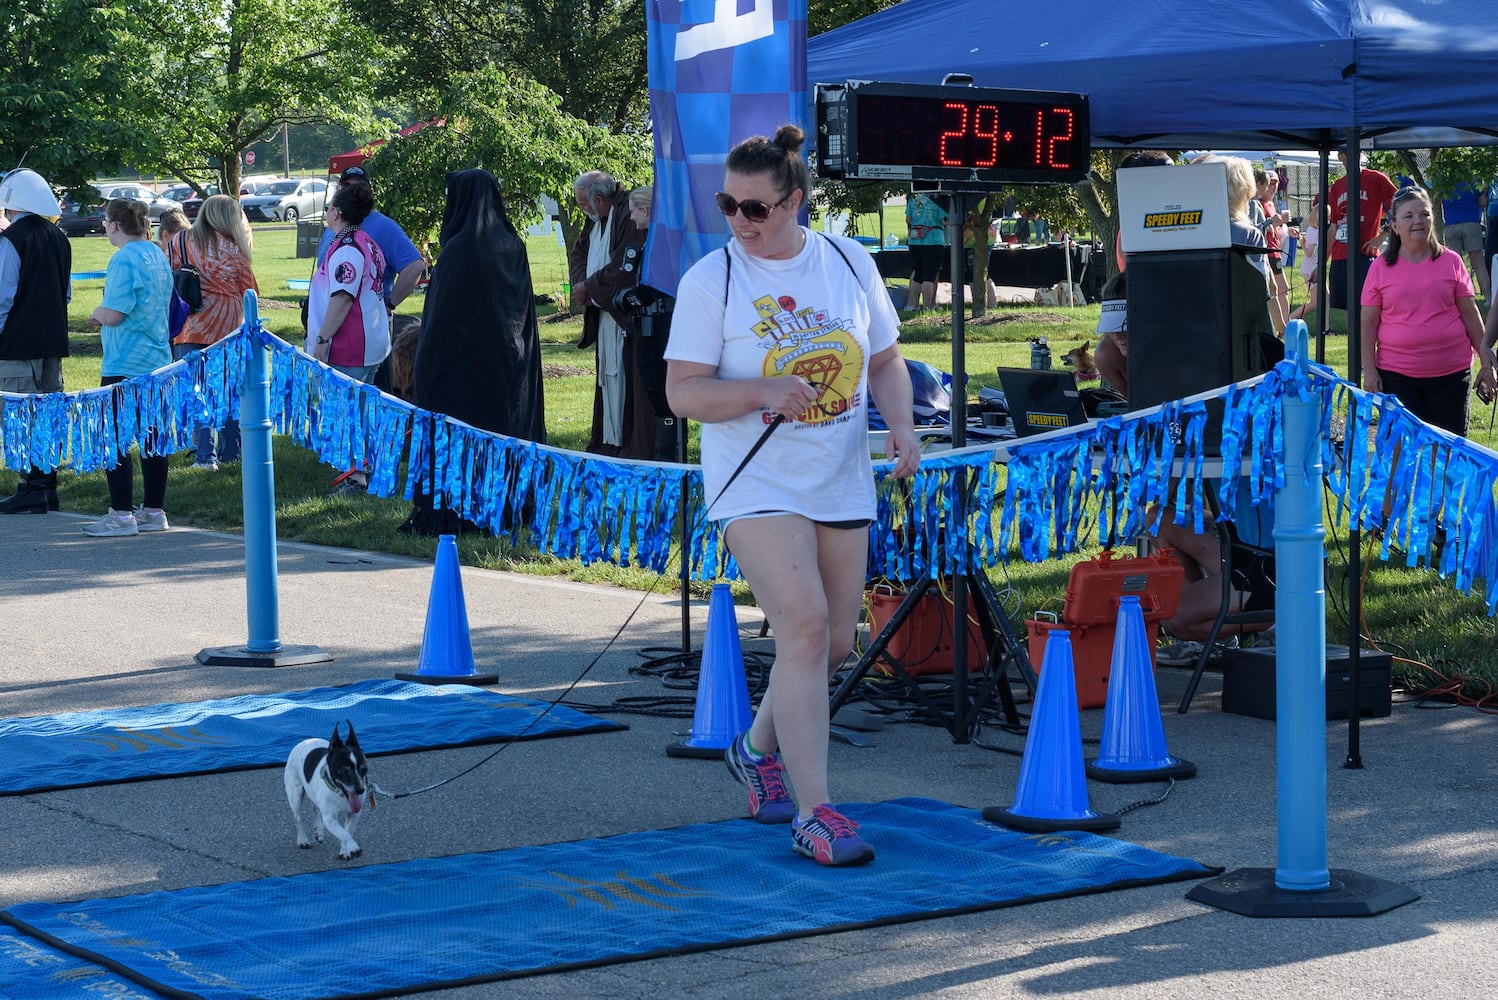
1080	360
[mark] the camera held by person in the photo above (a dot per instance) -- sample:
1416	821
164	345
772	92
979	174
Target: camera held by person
649	313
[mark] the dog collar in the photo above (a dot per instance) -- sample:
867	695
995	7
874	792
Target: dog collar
328	780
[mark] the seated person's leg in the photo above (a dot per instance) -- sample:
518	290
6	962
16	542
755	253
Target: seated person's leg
1201	590
1112	365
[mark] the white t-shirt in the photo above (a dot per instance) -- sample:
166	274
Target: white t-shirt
1308	257
809	315
353	265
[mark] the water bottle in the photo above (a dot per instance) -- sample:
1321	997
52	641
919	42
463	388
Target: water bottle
1040	354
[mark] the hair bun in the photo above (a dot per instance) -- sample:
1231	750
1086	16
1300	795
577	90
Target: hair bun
790	138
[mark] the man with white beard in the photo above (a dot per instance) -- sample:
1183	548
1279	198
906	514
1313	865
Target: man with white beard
623	421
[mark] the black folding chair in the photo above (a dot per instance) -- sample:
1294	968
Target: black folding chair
1242	548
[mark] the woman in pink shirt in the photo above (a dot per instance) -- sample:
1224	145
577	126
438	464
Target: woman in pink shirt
1420	322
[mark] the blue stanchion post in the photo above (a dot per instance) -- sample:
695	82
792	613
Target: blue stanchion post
262	590
257	466
1301	885
1300	656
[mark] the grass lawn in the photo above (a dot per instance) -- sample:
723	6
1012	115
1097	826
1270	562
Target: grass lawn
1410	613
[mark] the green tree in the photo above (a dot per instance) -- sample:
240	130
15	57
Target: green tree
60	72
590	53
207	79
824	15
1099	199
514	128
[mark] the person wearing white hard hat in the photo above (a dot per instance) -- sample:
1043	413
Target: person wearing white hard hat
36	262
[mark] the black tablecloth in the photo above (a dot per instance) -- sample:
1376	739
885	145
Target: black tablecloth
1036	267
1025	267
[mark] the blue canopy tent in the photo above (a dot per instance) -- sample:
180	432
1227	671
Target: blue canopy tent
1209	74
1201	74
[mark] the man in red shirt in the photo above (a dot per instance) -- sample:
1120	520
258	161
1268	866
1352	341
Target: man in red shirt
1375	196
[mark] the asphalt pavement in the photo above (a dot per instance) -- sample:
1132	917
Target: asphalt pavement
91	623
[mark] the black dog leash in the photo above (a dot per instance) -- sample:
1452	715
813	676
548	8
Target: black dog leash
770	429
779	419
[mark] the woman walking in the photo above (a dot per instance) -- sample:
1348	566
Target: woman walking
219	246
132	323
791	331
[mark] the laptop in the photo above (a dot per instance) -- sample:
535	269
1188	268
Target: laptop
1183	208
1041	399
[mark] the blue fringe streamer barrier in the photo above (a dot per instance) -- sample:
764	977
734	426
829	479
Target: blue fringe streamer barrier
969	507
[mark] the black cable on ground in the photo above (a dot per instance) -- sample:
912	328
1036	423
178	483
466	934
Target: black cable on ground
1170	787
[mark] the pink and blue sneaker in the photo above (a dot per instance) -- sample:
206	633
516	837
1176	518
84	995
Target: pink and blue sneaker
769	802
830	838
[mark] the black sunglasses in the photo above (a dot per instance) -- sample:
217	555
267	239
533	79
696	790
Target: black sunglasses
1407	192
754	210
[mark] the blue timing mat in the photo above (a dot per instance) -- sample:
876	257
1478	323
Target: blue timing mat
29	970
383	930
48	752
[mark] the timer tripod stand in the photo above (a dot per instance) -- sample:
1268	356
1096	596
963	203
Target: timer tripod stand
999	638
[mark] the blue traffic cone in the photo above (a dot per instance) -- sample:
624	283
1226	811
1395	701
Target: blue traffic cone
1133	744
1052	790
722	711
446	653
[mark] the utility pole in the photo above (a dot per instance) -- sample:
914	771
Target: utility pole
286	147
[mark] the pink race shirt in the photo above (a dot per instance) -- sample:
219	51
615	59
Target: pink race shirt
1420	331
355	267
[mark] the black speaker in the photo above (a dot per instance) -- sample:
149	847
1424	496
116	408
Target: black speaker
1197	320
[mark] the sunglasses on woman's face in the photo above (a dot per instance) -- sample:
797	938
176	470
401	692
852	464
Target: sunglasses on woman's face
754	210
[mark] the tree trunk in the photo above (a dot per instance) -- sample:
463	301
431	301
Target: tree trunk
230	174
571	224
977	221
1100	199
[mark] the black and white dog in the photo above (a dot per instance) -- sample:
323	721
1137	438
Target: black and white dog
334	777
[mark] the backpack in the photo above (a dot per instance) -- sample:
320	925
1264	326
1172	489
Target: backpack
187	282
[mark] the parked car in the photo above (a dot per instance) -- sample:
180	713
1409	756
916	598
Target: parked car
155	204
257	183
79	218
181	192
189	200
287	201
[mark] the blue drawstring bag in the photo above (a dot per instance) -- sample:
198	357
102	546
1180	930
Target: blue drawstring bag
176	315
931	397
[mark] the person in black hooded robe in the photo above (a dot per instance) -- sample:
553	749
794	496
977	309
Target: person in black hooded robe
478	358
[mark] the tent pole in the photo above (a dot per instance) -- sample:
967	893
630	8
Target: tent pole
1323	248
1354	759
956	216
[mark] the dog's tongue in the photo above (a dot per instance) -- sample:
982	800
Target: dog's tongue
354	802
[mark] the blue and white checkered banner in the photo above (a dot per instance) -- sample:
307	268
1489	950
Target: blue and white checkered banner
720	71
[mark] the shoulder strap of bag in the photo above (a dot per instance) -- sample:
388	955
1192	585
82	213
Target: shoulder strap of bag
833	244
728	265
182	249
727	273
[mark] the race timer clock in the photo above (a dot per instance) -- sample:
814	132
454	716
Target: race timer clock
970	136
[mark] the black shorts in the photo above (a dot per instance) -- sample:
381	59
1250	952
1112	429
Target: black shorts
853	524
1255	579
925	260
1336	281
1442	400
1275	263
